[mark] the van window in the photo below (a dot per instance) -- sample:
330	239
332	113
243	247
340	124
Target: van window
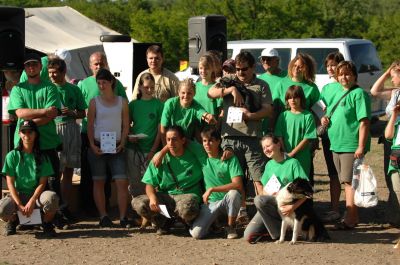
284	55
319	55
365	58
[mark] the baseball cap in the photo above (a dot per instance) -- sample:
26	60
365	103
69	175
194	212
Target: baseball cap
229	64
269	52
28	125
32	57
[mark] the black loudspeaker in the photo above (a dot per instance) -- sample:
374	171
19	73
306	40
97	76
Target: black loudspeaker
12	37
206	33
139	57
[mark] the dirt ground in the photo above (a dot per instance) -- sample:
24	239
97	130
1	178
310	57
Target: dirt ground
370	243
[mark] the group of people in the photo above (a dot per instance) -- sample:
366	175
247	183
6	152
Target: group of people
186	151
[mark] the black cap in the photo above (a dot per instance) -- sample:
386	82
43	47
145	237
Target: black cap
32	57
28	125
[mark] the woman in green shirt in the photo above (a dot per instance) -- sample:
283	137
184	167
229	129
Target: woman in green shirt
26	170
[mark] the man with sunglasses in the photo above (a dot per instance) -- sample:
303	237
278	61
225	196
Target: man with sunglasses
243	137
269	59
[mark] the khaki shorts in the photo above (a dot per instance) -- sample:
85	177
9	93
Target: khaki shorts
70	136
344	166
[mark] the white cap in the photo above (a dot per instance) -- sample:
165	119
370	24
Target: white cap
269	52
64	55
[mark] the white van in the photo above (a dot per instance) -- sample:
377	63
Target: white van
361	52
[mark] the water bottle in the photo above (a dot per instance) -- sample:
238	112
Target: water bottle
356	172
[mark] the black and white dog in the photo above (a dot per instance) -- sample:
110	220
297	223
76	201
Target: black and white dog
303	219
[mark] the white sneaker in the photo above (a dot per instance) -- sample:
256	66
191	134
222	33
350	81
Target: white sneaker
231	232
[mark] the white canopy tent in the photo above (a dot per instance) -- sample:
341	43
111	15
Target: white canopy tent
50	28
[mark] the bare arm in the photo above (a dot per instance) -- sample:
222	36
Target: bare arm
236	184
14	194
378	89
90	126
298	147
217	92
162	135
362	137
151	193
389	130
30	114
289	208
156	144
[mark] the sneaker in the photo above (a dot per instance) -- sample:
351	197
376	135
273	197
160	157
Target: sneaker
242	217
231	232
105	221
125	223
162	231
10	228
48	230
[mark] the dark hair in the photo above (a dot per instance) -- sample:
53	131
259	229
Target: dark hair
142	78
274	139
309	63
245	57
348	65
57	63
211	132
295	92
334	56
37	154
155	49
104	74
177	129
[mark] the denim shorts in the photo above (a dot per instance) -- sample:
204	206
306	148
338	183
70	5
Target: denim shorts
99	163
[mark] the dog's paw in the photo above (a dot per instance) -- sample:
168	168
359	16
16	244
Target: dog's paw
292	243
279	241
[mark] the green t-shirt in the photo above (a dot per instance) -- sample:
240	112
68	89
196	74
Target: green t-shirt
285	171
40	96
209	104
90	90
187	171
44	73
188	118
394	146
146	116
343	130
217	173
311	93
272	81
22	167
293	128
72	98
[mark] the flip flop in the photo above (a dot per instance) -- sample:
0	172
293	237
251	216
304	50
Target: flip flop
343	226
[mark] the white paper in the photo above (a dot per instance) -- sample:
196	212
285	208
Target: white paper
34	219
164	210
397	142
108	142
235	115
319	108
139	135
273	185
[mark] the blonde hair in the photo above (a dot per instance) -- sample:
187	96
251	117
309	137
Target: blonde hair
396	67
208	62
187	82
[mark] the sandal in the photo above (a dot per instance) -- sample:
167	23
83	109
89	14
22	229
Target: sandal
343	226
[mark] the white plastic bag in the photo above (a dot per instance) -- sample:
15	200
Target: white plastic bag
366	191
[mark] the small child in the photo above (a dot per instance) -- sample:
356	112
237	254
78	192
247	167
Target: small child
207	75
184	111
145	115
296	127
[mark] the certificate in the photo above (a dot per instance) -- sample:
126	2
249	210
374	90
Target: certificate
108	142
235	115
34	219
273	185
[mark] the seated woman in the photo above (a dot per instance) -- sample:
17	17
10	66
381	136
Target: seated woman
176	183
223	183
285	169
184	111
26	170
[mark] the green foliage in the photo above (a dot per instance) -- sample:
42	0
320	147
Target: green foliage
165	21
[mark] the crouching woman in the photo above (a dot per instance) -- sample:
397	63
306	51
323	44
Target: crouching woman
27	170
285	169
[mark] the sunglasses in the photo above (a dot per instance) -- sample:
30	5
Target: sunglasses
244	69
266	59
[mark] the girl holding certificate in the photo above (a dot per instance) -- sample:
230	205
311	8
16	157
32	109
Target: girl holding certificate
108	127
279	171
